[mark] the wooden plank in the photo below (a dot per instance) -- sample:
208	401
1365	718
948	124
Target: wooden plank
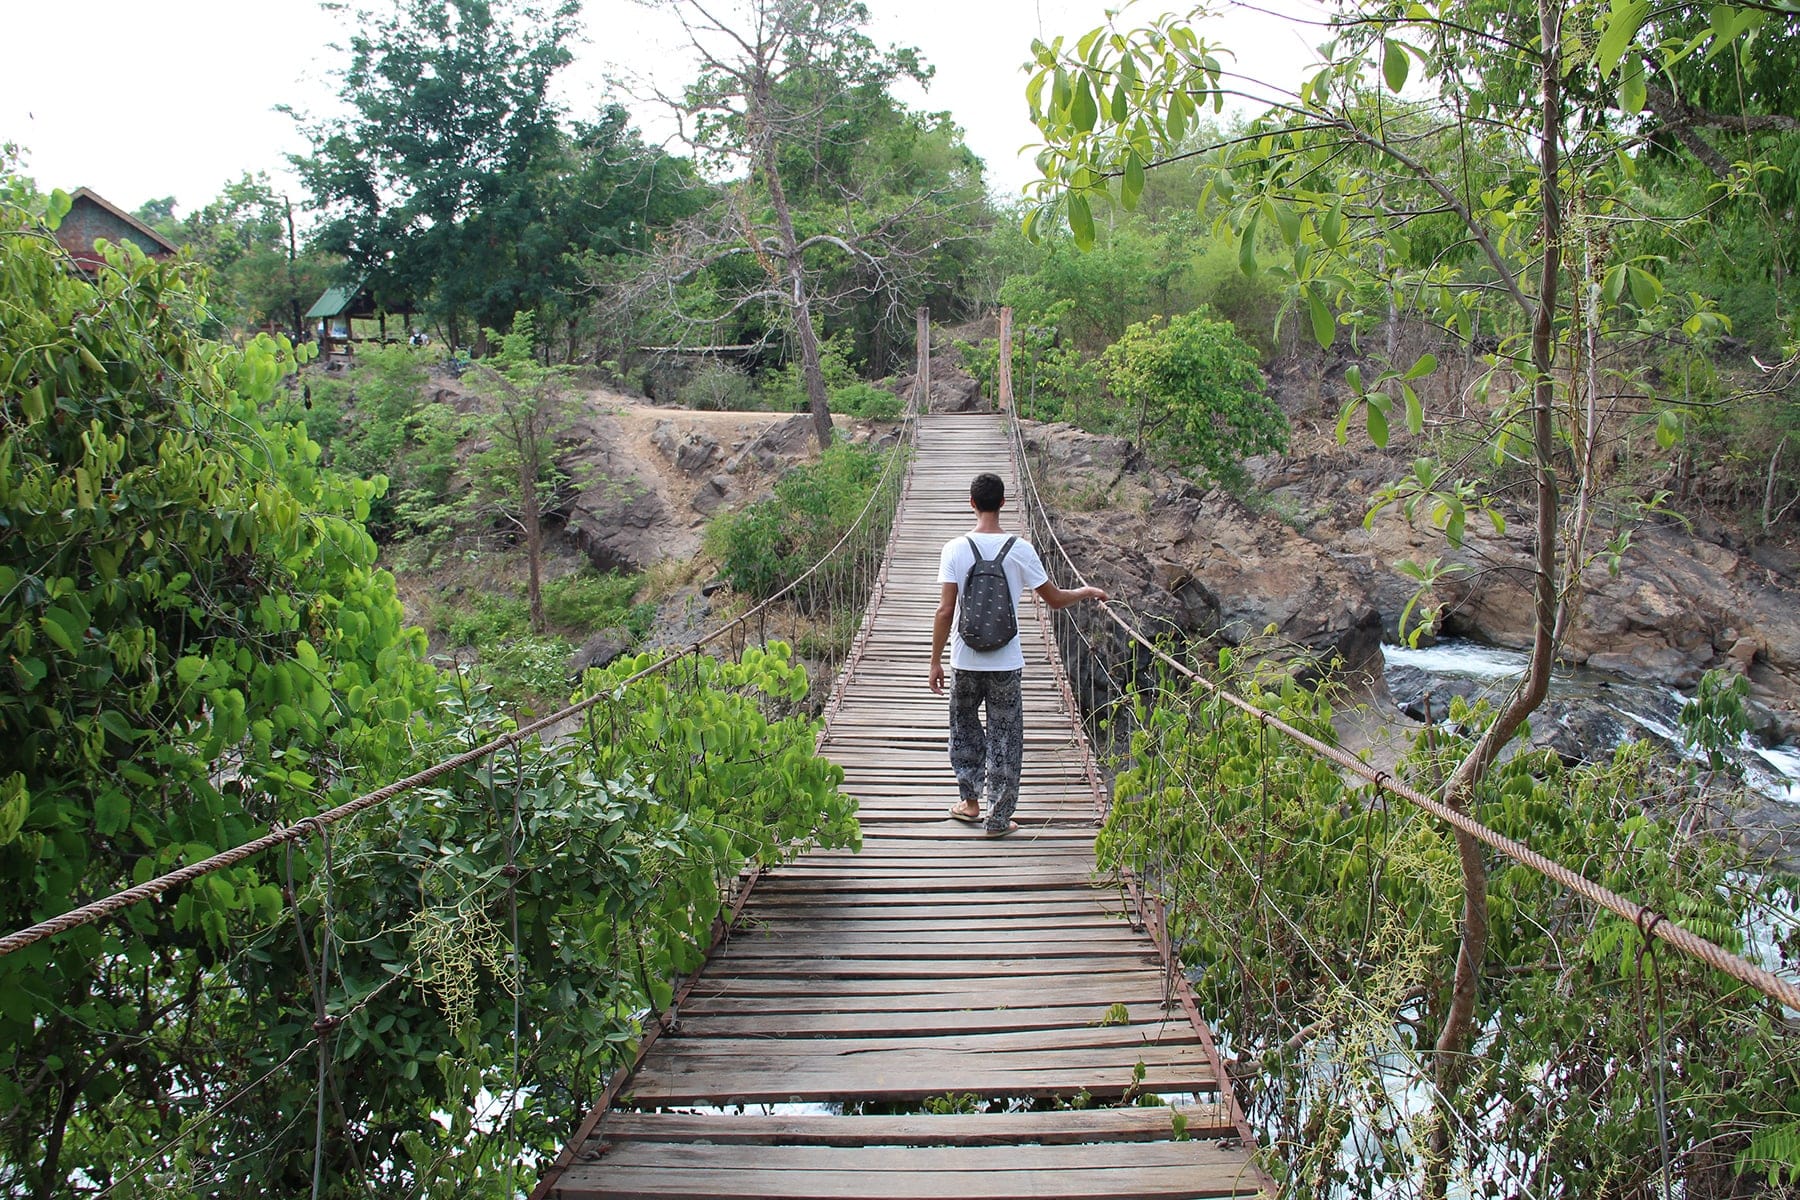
707	1081
786	1023
920	998
1166	1042
1067	1126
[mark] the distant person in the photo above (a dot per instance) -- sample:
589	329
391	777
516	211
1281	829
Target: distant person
419	338
987	662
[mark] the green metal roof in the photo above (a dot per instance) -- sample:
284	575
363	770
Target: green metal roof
334	301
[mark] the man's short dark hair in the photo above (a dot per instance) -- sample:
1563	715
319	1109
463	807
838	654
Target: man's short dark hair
988	492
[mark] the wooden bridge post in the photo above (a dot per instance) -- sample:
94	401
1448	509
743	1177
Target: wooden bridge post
1006	392
922	386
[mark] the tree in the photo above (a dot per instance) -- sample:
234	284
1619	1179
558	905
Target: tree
1520	140
783	89
431	179
246	238
197	644
527	409
1197	394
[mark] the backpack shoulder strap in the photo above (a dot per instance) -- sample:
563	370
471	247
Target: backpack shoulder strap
1005	548
976	550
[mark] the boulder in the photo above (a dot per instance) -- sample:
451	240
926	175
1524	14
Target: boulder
713	494
616	524
600	649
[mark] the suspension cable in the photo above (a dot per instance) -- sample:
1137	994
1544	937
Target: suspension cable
1658	925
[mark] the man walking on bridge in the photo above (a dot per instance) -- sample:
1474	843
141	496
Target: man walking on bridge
975	616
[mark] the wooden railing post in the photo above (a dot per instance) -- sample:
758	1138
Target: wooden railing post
922	386
1006	392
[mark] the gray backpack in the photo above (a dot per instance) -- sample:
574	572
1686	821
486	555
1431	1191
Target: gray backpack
987	621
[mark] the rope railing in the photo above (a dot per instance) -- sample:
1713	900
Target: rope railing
327	934
884	493
1236	828
1649	921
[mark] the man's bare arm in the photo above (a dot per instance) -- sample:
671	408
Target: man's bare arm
1057	597
940	634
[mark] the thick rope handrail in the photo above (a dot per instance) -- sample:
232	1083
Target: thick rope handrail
308	827
1648	920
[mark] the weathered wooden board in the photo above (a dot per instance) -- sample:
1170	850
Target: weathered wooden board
936	962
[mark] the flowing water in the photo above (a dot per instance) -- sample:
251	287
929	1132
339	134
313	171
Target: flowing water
1641	710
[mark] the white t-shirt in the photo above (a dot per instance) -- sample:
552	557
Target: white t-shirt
1024	572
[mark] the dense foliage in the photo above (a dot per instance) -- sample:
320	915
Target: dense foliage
198	643
765	546
1192	395
198	646
1319	924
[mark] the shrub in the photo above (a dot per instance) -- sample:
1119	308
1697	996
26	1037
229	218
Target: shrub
765	546
587	601
866	400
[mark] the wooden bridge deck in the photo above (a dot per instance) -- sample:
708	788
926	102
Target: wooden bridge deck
937	962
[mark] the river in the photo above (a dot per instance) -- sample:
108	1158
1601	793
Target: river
1639	710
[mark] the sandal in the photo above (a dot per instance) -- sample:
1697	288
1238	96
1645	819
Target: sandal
1012	827
967	818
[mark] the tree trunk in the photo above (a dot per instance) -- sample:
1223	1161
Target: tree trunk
799	299
1459	1021
1004	384
534	536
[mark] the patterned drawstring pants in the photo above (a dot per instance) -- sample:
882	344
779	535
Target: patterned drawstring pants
987	760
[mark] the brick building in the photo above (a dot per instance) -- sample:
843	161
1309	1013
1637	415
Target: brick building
92	217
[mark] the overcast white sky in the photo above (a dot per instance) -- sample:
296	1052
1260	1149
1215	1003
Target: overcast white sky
150	100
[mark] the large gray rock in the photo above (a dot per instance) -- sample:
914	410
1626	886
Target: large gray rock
616	524
600	649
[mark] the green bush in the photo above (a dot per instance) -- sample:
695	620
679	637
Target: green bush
588	601
485	622
765	546
716	387
1192	394
867	401
1347	906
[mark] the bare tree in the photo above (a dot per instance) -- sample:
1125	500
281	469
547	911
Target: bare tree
778	109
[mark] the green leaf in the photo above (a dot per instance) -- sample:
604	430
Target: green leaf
1425	365
1353	377
1332	227
1177	119
1121	108
1632	92
1084	112
1288	221
1247	249
15	806
62	627
1133	185
1619	27
1324	327
1394	65
1646	289
1668	428
1415	411
1081	221
1376	418
1612	285
112	812
57	208
1343	425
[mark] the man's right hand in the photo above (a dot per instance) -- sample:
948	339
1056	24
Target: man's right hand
937	678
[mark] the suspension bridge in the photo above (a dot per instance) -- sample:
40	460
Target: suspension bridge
936	969
941	1014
